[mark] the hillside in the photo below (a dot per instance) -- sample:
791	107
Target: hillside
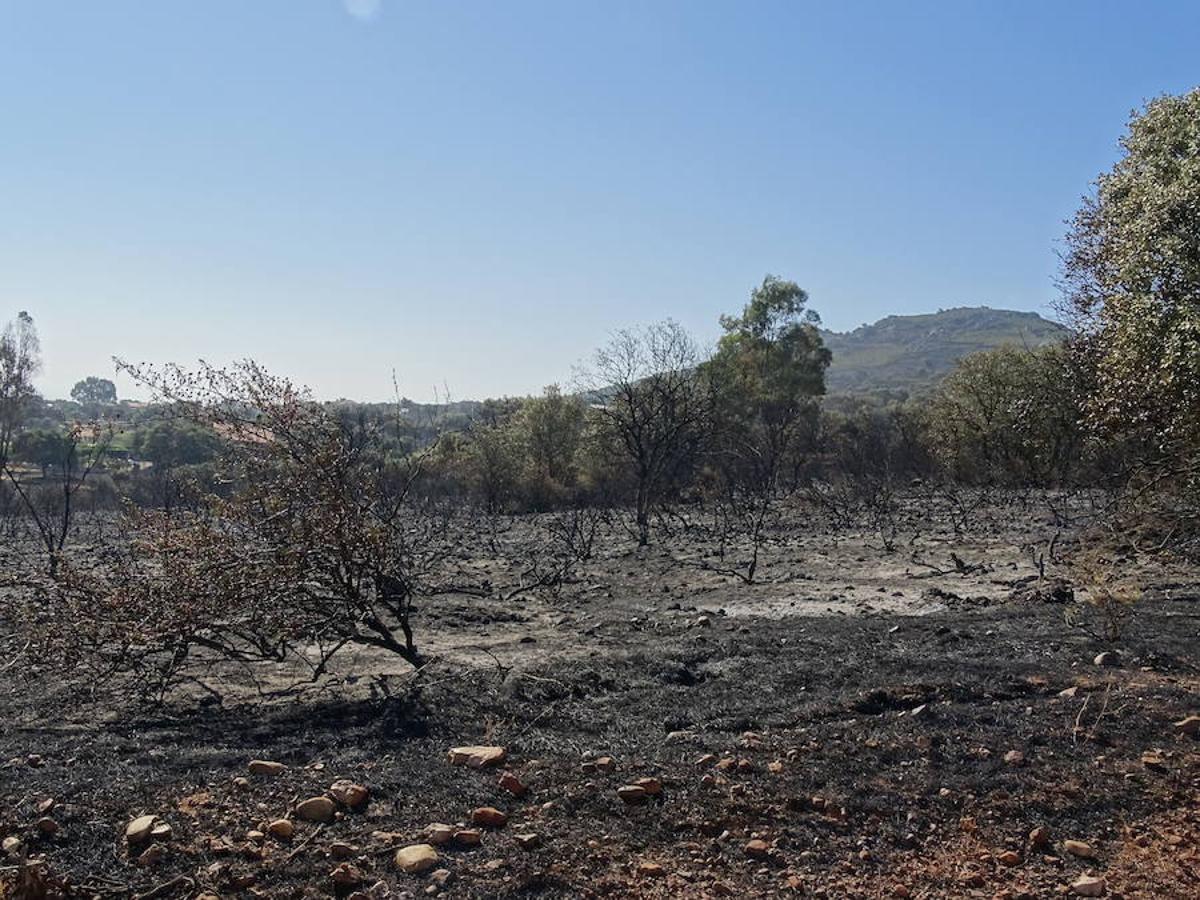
908	353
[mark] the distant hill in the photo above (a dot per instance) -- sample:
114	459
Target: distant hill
910	353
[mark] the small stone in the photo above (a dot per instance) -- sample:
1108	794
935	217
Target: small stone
1040	836
757	849
511	783
416	858
346	875
1080	849
138	831
971	879
161	831
1189	726
441	877
45	807
283	829
1009	858
349	793
266	767
1070	692
316	809
704	622
341	850
241	784
439	834
652	786
468	837
489	817
1014	758
216	846
46	826
12	847
606	764
651	870
900	890
152	855
1110	658
706	760
1088	886
775	767
255	836
480	757
528	841
632	793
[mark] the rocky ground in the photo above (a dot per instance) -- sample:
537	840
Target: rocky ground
666	732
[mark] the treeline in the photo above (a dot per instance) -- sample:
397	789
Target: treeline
650	423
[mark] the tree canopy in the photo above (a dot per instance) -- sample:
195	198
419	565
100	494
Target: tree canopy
1133	276
94	390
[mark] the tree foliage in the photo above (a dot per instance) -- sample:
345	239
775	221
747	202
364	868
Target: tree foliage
20	361
765	378
1010	417
769	368
1133	275
94	391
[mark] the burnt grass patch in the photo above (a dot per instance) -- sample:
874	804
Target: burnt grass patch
867	752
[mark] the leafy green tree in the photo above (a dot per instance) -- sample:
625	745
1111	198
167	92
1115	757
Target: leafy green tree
1010	417
42	447
768	370
94	391
177	451
551	428
169	444
20	361
1132	271
493	463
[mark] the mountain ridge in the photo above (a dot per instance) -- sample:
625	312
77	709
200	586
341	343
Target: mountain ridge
910	353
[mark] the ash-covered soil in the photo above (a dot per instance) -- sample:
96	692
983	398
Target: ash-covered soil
854	726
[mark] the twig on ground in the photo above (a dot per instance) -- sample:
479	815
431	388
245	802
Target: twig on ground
299	848
166	888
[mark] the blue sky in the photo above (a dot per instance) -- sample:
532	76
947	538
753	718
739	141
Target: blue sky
475	194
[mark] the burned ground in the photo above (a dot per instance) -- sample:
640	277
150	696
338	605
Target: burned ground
866	739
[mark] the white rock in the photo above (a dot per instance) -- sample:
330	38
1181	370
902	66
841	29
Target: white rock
416	858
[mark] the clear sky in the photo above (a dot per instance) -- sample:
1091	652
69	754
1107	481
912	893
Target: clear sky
475	194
